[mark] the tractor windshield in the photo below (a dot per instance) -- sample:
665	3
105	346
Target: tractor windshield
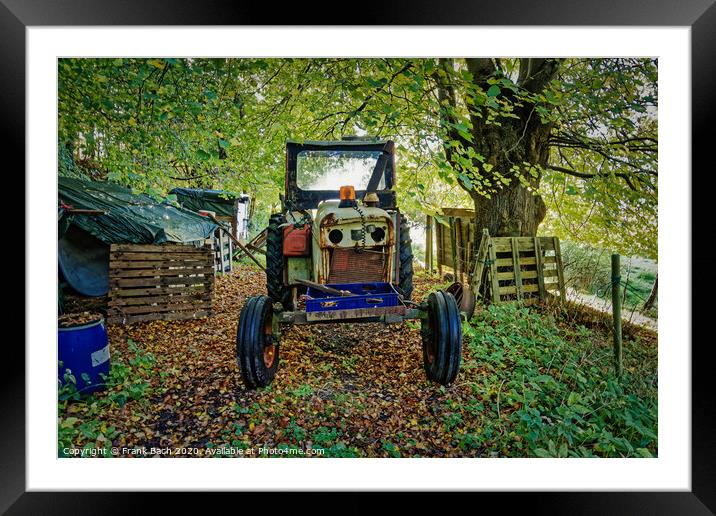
331	169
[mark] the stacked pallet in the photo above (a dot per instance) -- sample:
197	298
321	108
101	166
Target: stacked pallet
159	282
523	269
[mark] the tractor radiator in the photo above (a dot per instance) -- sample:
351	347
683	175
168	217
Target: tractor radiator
349	266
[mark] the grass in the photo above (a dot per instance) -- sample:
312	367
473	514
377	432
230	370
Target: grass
244	261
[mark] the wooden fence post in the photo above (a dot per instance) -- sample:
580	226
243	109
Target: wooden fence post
617	313
480	259
516	268
441	248
539	265
459	248
494	280
560	270
429	243
453	246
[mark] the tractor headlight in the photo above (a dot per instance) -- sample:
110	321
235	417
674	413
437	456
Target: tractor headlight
378	234
335	236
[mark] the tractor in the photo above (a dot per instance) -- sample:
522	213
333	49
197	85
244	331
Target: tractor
340	252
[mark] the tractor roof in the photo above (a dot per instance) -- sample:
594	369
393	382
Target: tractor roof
339	144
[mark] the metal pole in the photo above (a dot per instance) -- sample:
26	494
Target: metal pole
617	313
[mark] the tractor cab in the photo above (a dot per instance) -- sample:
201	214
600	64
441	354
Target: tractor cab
340	251
340	223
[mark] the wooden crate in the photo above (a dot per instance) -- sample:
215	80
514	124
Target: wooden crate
523	269
159	282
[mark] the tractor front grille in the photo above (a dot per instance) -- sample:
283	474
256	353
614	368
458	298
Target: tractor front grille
349	266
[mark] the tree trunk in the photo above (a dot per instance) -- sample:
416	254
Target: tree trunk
649	304
514	150
514	209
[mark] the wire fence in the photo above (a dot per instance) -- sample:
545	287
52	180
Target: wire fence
588	281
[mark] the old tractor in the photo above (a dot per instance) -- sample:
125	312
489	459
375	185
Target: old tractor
340	252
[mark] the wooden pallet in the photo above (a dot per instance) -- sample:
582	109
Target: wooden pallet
523	269
223	251
159	282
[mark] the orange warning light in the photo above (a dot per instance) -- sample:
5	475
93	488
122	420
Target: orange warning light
348	193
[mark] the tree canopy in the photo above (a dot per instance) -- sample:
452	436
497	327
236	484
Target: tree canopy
579	134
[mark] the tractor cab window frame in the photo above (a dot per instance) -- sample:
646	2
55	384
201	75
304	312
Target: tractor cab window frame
297	198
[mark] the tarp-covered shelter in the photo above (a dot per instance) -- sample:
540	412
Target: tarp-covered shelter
83	247
227	206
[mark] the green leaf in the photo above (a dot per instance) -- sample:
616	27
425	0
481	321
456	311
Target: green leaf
643	452
494	91
563	450
465	180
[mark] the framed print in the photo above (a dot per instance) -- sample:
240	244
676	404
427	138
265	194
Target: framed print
234	201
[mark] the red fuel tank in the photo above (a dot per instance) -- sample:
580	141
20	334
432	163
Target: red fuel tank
297	241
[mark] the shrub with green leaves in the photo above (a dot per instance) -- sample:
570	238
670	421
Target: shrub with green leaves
552	391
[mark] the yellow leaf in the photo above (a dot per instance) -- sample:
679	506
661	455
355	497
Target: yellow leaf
132	121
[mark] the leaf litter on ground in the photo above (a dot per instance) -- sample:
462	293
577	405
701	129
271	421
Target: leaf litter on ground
532	383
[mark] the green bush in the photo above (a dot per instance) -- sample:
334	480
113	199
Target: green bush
551	392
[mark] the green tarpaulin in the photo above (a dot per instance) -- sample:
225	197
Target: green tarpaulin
130	218
220	202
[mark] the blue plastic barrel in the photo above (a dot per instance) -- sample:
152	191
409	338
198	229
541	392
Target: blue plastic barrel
84	350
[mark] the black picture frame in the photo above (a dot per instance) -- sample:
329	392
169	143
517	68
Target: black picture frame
700	15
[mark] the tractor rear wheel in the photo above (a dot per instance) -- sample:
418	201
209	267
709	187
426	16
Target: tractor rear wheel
257	342
441	333
405	276
275	287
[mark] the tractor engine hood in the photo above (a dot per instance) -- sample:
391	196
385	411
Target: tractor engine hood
356	244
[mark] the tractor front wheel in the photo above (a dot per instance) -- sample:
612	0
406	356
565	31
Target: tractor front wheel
257	342
441	332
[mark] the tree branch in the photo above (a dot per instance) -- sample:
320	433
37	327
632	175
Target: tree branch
536	73
585	175
375	92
